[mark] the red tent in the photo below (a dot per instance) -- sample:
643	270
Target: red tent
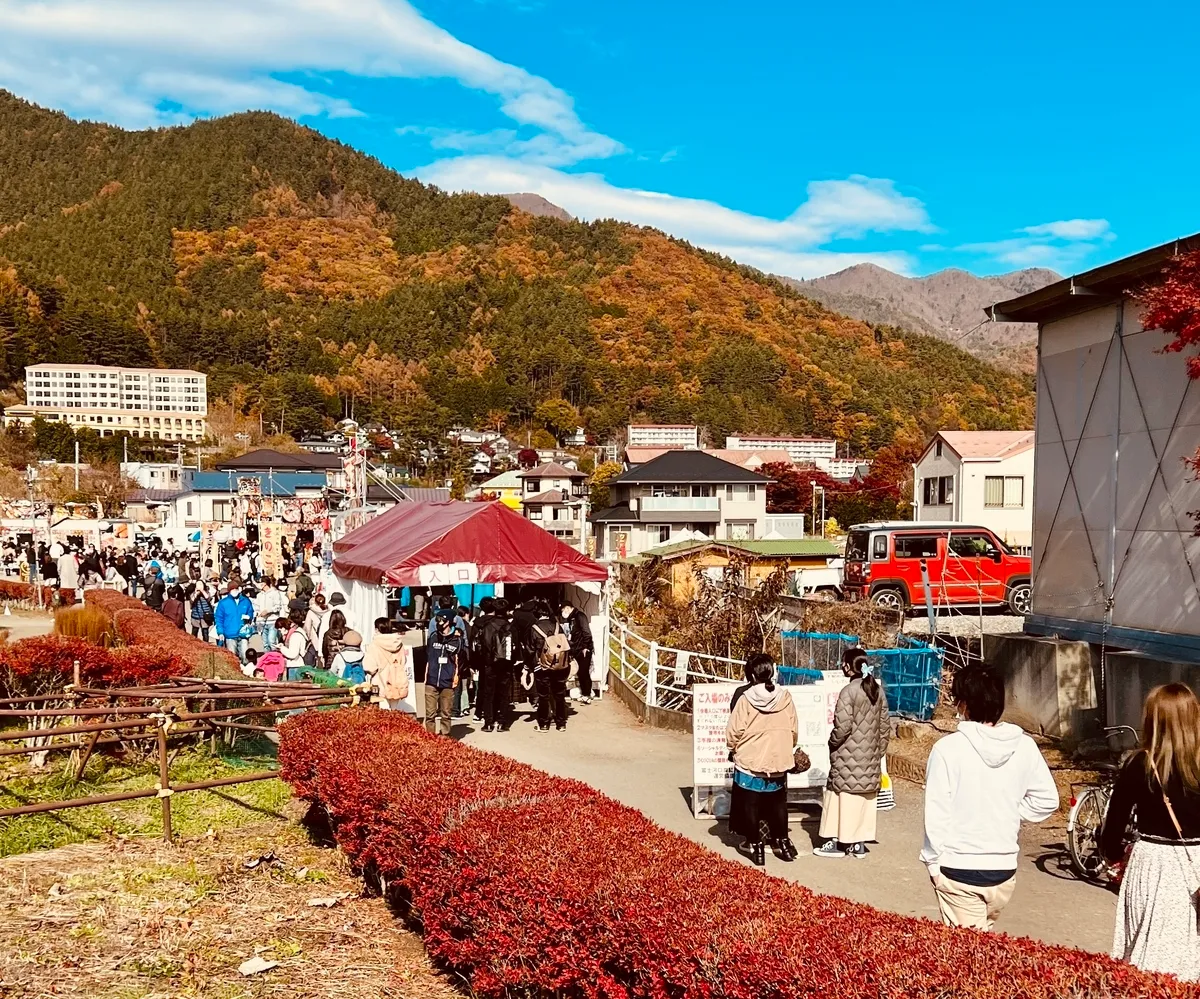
502	545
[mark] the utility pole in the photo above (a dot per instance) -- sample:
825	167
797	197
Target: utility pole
77	466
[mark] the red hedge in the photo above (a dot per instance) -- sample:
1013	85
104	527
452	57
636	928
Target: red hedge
139	626
527	883
47	663
14	589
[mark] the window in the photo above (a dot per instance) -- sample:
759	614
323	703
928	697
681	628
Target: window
971	545
535	513
938	447
879	547
937	490
1004	491
751	491
729	494
661	531
916	546
189	508
533	486
220	508
739	531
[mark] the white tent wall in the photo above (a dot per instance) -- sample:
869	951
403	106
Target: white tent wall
364	603
592	599
1116	419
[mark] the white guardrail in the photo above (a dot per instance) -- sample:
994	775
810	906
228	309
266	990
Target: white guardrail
660	675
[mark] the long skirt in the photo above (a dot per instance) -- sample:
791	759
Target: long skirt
1156	918
749	808
848	818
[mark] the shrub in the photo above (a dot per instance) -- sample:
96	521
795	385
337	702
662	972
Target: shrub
17	592
47	663
530	884
89	623
139	626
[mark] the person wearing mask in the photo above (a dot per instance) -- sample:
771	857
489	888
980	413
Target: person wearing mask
235	621
551	669
347	662
293	644
388	665
303	587
173	607
269	606
579	634
335	636
861	731
1159	788
980	782
447	605
203	614
314	618
494	658
447	653
762	734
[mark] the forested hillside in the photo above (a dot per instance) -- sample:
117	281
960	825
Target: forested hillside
317	280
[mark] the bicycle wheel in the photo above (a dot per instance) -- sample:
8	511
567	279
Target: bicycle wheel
1083	832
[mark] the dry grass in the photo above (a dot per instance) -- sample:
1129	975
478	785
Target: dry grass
89	623
136	919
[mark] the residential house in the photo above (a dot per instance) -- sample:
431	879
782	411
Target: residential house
323	445
158	475
506	487
1115	558
749	458
811	563
556	498
212	495
685	490
982	477
269	460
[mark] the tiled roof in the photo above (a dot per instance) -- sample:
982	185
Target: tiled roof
276	484
689	466
987	443
552	470
265	458
783	548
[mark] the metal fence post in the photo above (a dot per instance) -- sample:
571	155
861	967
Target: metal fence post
652	677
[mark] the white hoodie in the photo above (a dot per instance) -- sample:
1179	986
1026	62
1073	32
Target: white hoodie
979	784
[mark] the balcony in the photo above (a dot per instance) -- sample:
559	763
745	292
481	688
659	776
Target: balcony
680	504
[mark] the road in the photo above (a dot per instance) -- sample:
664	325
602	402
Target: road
606	747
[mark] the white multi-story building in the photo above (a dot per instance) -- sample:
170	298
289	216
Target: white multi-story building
663	435
161	403
802	450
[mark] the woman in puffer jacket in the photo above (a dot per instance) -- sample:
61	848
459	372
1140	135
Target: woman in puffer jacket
861	731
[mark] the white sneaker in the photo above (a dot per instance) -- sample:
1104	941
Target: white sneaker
585	700
830	848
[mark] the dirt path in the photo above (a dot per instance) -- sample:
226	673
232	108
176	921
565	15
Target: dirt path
26	624
652	771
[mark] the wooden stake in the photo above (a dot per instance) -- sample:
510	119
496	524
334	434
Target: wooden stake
164	780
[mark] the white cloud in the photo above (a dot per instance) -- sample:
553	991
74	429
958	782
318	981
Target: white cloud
835	209
1061	246
123	60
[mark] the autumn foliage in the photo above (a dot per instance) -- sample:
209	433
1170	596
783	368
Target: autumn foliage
528	884
17	592
46	664
140	627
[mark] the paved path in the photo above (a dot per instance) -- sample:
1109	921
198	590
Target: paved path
605	746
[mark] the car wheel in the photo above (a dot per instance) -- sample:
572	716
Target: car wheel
889	599
1020	599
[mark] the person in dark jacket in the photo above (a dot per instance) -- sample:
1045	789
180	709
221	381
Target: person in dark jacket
861	731
202	612
447	655
494	659
172	608
579	634
156	591
335	635
1159	788
550	671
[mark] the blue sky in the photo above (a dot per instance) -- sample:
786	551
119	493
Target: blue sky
797	137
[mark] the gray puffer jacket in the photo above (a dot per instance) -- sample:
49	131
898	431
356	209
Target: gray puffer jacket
859	739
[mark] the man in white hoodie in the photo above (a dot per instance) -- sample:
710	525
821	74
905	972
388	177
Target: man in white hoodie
979	784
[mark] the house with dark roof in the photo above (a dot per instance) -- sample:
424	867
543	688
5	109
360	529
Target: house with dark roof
265	459
680	496
555	497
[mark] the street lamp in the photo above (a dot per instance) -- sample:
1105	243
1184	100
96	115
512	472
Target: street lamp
815	487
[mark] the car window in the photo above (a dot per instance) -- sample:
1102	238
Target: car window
916	546
856	546
879	547
971	545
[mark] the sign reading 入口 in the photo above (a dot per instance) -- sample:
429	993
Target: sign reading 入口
814	705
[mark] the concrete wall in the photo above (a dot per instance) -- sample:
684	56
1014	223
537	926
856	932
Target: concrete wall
1130	676
1050	685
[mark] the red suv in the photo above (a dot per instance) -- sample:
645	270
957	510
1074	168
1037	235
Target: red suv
967	565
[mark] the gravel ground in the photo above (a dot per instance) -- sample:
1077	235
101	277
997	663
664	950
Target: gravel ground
966	626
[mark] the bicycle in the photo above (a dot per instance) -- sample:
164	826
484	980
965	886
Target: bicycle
1089	807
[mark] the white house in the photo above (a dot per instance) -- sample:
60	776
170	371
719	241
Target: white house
680	491
555	497
982	477
1115	558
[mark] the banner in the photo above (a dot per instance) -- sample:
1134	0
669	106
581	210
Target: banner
270	533
208	543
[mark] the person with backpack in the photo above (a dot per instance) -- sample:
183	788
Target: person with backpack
579	634
447	654
347	662
388	665
861	730
294	645
551	669
494	658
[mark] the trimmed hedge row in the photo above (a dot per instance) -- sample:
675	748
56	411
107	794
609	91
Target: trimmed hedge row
526	883
14	589
138	625
46	664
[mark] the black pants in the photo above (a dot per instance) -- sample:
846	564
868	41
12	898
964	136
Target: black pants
584	658
551	686
495	692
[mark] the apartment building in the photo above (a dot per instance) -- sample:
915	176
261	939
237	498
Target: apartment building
681	495
160	403
802	450
662	435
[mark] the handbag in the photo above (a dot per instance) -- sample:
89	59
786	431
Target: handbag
1179	832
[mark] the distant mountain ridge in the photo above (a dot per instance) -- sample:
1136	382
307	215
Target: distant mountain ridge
535	204
947	305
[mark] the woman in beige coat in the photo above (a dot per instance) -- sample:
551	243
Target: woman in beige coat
762	734
388	665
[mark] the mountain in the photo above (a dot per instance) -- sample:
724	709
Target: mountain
948	304
309	281
535	204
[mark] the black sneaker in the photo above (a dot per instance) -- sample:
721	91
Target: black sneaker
488	728
830	848
857	850
543	728
561	728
